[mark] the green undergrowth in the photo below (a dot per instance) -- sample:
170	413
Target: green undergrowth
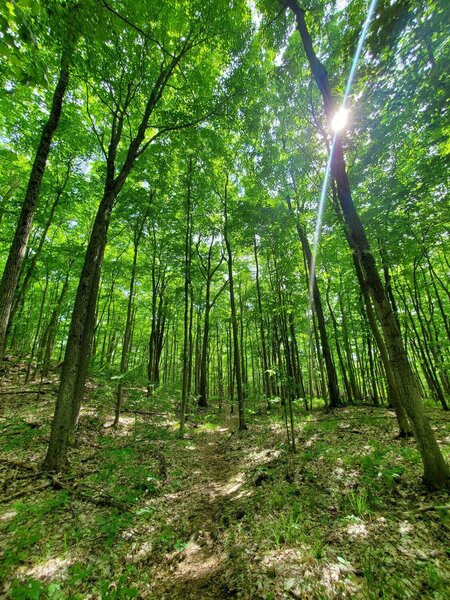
20	435
335	520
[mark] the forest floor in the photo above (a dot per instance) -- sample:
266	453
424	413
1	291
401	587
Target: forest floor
219	514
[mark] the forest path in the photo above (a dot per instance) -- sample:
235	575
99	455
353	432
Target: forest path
208	503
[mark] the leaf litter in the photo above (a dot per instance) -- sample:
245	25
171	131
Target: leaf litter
218	515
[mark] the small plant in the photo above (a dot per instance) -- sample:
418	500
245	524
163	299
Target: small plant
277	500
118	591
318	546
180	546
326	425
33	589
286	528
79	572
111	525
434	579
166	539
359	502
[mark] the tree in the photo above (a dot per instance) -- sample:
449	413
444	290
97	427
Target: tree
436	473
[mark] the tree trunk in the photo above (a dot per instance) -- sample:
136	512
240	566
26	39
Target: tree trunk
187	334
78	343
51	328
266	375
333	388
11	273
234	322
126	343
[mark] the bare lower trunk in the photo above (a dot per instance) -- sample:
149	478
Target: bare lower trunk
78	343
234	323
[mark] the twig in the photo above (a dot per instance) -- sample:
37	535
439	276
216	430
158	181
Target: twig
10	392
423	509
141	412
349	419
19	465
32	490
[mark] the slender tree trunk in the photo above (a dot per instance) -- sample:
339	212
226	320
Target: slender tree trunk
266	375
187	346
24	286
52	326
333	388
126	343
220	388
74	371
338	348
13	267
234	321
38	328
202	390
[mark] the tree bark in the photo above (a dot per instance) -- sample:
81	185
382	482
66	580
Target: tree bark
333	388
14	262
126	342
76	359
187	331
234	322
265	362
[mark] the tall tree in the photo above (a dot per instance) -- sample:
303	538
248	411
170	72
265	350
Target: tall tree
13	267
234	319
436	472
127	93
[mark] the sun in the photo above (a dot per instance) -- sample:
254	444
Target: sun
339	121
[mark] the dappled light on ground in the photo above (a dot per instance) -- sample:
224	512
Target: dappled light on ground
357	529
8	515
228	488
196	563
218	514
51	568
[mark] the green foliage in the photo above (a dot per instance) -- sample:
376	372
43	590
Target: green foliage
377	471
285	528
235	106
358	501
27	527
119	591
33	589
112	524
168	539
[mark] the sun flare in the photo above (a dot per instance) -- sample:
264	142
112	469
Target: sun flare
340	119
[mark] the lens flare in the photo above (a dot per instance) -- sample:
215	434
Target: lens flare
338	123
340	119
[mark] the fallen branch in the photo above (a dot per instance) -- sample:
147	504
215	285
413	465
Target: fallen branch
19	391
423	509
19	464
141	412
102	500
349	419
24	492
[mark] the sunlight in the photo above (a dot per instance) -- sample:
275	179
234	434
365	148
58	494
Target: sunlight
340	119
196	564
8	515
50	568
357	529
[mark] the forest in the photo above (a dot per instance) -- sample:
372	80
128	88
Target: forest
224	299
